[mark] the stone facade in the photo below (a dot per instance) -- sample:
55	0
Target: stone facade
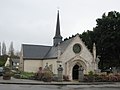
68	60
66	53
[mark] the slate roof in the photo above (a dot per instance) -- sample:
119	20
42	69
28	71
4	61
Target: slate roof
35	51
43	52
53	52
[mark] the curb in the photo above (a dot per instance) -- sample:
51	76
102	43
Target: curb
57	83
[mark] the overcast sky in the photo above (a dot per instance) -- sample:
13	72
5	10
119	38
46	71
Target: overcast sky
34	21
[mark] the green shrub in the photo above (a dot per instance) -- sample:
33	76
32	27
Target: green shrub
17	76
91	76
26	75
90	73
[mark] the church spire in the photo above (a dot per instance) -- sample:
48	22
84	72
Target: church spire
58	37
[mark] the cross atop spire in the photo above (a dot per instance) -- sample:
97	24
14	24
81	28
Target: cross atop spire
58	37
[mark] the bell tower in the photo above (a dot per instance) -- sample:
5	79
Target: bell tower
57	38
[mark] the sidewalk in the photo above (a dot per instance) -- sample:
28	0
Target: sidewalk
34	82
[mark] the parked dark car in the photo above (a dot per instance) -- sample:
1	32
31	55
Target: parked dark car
1	71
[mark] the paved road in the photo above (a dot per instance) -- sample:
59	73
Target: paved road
22	84
54	87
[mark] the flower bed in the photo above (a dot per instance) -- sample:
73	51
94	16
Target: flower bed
102	78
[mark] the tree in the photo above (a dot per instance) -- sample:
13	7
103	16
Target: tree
3	48
0	48
11	50
17	54
107	38
88	38
106	35
3	59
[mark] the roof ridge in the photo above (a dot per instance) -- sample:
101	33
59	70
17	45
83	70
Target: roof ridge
36	45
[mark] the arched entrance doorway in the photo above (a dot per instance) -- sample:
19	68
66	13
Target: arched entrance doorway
75	72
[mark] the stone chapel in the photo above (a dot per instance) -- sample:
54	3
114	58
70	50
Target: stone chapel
71	54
